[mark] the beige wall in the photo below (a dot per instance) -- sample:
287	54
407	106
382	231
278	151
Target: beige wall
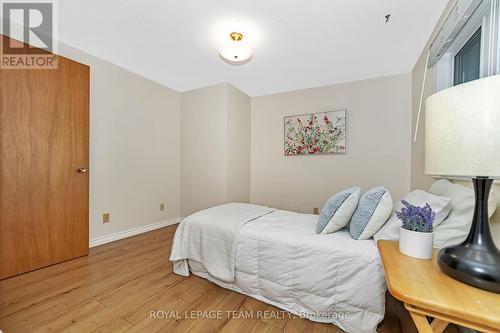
378	143
238	145
418	178
203	148
215	147
134	147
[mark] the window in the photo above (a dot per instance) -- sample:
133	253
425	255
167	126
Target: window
468	60
468	45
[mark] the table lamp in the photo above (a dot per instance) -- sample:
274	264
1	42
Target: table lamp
462	139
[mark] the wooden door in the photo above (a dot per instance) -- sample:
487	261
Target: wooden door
44	126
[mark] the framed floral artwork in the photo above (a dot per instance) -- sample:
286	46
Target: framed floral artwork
316	133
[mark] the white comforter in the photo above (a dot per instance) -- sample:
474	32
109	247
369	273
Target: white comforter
327	278
211	236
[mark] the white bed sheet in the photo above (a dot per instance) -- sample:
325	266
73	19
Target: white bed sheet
327	278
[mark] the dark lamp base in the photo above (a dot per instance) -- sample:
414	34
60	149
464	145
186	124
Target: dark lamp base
476	261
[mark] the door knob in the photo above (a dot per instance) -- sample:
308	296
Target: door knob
81	170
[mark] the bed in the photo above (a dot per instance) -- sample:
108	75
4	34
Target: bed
276	256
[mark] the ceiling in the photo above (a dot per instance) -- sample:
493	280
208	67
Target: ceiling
297	44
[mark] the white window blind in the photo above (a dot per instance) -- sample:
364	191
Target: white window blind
456	20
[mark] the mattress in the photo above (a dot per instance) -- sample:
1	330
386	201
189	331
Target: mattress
327	278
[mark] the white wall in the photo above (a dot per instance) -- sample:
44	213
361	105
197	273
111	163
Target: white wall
215	147
378	143
134	147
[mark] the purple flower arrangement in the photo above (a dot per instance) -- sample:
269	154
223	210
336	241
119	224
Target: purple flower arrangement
416	218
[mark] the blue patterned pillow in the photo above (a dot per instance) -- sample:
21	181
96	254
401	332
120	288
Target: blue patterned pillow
374	208
338	210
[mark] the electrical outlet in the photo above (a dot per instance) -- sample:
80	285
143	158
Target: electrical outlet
105	218
162	206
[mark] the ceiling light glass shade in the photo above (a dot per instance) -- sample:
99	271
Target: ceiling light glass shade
236	51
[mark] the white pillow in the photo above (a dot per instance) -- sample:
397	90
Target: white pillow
440	205
374	208
337	211
456	226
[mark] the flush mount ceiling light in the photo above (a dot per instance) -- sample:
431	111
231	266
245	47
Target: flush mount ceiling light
236	51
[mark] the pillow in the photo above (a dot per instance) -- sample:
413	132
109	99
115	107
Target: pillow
372	212
440	205
338	210
456	226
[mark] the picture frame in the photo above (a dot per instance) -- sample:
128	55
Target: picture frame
320	133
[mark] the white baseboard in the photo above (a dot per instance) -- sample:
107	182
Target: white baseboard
132	232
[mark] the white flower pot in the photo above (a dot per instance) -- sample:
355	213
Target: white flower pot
416	244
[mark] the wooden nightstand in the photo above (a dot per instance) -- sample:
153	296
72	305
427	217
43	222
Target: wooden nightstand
427	292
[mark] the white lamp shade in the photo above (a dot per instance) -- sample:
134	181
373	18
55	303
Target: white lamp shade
462	130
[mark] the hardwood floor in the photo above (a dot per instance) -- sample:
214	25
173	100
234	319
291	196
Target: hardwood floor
116	287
